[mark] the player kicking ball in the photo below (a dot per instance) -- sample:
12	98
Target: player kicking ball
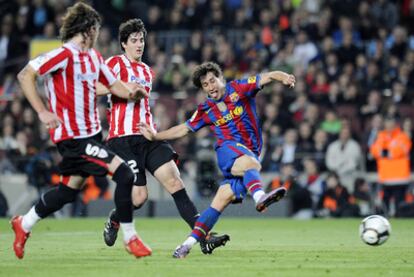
230	112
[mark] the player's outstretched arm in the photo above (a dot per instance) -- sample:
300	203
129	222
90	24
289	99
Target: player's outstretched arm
175	132
285	78
132	91
27	80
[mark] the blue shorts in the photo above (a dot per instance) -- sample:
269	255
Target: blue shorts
227	153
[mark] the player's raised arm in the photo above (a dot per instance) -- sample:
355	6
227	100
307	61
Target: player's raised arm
285	78
175	132
27	80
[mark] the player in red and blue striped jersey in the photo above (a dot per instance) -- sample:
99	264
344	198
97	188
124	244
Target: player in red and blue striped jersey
230	112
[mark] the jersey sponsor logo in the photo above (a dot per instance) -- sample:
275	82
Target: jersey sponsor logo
251	80
234	97
95	151
86	76
236	112
140	81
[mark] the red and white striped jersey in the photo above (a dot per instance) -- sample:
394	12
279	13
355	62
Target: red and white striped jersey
124	115
70	79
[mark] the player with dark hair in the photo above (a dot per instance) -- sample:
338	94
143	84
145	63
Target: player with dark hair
230	112
71	72
126	140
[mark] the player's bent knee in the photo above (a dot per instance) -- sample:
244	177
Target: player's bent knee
174	184
139	199
123	173
244	164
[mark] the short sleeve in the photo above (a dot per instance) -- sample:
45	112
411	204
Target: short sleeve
197	120
248	86
51	61
113	64
106	75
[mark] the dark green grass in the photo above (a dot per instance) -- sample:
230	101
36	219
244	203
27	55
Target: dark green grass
258	247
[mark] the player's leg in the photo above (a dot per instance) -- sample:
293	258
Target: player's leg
50	202
169	177
160	161
124	179
248	167
129	176
139	197
208	218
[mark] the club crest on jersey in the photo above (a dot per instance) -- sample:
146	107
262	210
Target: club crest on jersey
251	80
222	107
234	97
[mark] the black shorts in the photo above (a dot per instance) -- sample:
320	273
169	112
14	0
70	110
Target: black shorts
84	157
141	154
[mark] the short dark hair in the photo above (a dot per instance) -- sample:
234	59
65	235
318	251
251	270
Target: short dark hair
129	27
203	69
79	19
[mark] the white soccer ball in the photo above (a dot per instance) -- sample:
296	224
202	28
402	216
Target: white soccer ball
374	230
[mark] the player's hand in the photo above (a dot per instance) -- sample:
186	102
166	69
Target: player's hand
51	120
290	80
137	91
146	131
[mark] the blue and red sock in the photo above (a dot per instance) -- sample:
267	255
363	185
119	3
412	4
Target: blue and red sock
252	181
205	223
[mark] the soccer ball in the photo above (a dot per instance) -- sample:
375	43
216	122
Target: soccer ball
374	230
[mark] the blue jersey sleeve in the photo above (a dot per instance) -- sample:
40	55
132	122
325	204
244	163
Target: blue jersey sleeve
249	86
197	120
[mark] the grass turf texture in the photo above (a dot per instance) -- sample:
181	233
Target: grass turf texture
258	247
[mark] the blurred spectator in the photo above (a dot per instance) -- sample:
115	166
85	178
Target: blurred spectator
299	196
391	149
332	125
336	201
312	180
320	145
375	125
304	50
4	207
344	157
362	196
286	152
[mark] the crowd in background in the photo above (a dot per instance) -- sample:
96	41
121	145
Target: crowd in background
353	62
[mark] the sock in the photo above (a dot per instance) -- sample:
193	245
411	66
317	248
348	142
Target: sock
30	219
258	195
114	216
128	229
124	179
205	223
253	183
186	207
54	199
190	241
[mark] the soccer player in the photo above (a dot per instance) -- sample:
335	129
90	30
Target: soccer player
71	72
126	140
230	112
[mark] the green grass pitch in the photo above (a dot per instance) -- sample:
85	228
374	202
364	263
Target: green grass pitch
258	247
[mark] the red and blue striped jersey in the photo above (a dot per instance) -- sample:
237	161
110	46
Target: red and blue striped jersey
234	116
